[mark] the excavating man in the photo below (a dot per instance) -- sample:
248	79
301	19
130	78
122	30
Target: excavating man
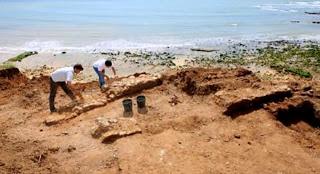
99	67
62	77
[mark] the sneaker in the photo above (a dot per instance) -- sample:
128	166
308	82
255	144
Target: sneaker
104	88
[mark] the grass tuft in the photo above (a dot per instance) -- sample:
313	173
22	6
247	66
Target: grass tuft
22	56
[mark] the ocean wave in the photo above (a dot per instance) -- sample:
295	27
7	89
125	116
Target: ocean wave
291	7
124	45
119	45
275	8
310	4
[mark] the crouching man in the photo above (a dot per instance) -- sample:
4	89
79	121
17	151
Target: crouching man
62	77
99	67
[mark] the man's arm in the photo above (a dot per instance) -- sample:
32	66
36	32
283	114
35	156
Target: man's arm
70	85
75	91
102	73
69	80
114	71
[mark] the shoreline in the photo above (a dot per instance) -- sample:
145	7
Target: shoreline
284	56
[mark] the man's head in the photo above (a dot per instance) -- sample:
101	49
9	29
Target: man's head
108	63
77	68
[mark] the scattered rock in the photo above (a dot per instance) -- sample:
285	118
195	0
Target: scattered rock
54	149
238	136
174	100
71	148
312	13
204	49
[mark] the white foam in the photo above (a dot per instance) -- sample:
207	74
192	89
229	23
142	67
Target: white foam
305	4
123	45
291	7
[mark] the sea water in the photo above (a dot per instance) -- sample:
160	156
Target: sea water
90	25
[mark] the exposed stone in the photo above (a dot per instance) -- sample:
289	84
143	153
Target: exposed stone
114	135
54	119
87	107
174	100
132	84
204	49
110	129
102	125
54	149
238	136
71	148
91	106
312	13
248	99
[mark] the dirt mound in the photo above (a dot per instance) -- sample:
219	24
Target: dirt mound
11	78
9	73
201	81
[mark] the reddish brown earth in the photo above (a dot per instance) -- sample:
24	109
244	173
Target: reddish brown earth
198	121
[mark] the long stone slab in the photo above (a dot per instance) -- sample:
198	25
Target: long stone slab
131	85
110	129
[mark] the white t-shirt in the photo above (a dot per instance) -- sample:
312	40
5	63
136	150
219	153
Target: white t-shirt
63	74
100	64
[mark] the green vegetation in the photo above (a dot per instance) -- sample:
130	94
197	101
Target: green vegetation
6	66
22	56
301	60
298	71
295	59
9	63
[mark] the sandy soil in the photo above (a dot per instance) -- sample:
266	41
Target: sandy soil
185	129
